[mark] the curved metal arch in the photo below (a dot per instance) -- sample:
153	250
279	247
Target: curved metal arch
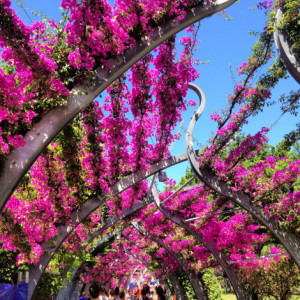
125	213
123	260
168	276
92	204
69	288
112	221
193	278
142	275
198	289
130	278
283	49
73	288
73	285
289	240
87	208
36	273
220	257
20	160
119	230
105	239
179	291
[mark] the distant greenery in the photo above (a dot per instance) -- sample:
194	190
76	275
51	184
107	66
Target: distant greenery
8	268
48	286
187	286
211	285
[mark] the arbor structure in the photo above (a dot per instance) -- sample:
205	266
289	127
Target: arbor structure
73	169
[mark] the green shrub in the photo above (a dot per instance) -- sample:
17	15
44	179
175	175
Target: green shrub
211	285
48	286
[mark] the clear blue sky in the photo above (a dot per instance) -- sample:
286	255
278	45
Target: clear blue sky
223	43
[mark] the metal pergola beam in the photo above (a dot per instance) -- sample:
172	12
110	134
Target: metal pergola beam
173	279
258	258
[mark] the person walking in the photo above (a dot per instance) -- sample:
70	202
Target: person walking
82	297
122	295
129	295
160	293
94	291
112	295
145	293
102	295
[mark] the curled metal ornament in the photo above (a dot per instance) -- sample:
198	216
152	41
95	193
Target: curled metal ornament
20	160
220	257
289	240
284	51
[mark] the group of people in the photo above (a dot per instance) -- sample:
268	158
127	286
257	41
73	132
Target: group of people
146	293
97	292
